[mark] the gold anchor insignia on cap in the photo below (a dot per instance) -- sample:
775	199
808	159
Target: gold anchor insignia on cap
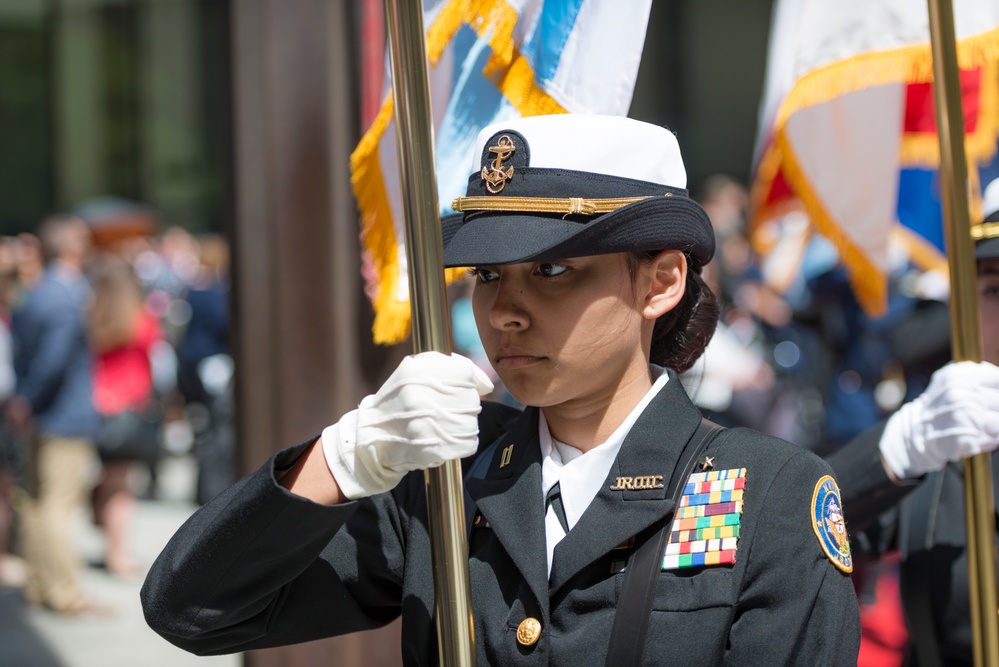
708	463
494	175
528	631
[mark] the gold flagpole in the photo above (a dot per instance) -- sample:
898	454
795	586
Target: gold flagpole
424	253
978	501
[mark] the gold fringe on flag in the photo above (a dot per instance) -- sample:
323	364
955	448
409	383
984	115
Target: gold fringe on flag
905	65
495	21
866	278
911	64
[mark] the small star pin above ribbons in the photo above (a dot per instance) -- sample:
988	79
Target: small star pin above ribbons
706	527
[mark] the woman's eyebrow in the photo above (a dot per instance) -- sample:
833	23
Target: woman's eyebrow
989	269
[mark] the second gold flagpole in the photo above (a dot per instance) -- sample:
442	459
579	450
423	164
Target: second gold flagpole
424	254
978	500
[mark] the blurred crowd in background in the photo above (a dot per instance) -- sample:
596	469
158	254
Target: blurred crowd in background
794	355
155	320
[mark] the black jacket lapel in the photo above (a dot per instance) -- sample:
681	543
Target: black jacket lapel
652	447
509	497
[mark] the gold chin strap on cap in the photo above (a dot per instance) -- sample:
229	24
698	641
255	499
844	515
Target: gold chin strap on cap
986	230
565	205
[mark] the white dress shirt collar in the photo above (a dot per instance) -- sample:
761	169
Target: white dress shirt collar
580	474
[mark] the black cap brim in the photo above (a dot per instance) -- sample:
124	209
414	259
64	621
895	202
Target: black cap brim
987	248
657	223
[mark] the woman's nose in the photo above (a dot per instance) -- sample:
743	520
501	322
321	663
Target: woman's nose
508	311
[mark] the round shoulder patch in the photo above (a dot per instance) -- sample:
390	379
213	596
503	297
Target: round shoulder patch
828	523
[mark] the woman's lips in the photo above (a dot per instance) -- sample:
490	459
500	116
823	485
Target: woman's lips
512	361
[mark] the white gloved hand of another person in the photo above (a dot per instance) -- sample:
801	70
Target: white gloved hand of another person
426	413
955	417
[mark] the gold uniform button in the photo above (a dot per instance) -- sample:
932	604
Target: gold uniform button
528	631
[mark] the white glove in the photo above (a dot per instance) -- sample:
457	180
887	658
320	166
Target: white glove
956	417
424	414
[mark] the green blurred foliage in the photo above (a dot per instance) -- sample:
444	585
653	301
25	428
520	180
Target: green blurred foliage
26	168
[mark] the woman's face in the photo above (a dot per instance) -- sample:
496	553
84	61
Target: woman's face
563	332
988	308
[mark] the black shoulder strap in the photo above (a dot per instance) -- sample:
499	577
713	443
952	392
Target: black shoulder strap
631	620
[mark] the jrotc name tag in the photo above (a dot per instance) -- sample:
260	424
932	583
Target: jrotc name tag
706	527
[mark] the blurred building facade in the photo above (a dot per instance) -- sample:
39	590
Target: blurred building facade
115	97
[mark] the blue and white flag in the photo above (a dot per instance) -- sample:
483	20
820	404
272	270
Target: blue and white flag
848	132
490	60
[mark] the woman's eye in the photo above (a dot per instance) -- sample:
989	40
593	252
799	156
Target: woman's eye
483	276
551	270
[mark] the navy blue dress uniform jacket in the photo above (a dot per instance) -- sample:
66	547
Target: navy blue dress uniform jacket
925	521
259	566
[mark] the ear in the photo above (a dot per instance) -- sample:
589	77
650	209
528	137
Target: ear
668	281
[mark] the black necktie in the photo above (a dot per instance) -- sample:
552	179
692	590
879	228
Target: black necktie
554	499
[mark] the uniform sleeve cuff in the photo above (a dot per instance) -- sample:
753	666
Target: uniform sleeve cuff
894	454
339	445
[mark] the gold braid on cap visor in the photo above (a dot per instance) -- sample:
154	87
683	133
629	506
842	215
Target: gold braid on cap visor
986	230
566	205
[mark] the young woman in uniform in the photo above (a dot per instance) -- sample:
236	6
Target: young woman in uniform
586	252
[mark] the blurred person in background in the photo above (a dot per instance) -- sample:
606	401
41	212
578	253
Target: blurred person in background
52	402
124	231
204	369
852	371
856	360
168	271
735	381
11	450
902	481
30	261
122	333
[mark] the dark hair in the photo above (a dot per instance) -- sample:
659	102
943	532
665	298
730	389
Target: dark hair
680	336
56	234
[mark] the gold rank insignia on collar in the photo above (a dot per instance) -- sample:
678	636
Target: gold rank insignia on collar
506	456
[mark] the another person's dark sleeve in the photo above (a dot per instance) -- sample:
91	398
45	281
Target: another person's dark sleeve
865	486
